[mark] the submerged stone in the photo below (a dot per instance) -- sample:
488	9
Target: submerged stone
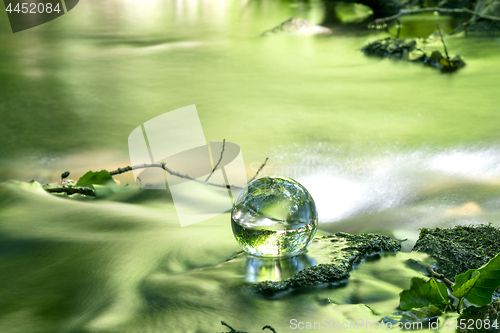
410	49
341	252
297	25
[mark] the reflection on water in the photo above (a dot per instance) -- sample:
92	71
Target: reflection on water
275	269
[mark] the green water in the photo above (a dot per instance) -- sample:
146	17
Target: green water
381	146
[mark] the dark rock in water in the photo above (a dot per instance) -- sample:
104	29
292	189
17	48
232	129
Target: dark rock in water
461	248
403	49
437	60
297	25
411	50
343	252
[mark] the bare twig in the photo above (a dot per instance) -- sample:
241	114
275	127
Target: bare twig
85	191
177	174
172	172
269	328
220	159
444	45
432	273
260	169
404	12
232	329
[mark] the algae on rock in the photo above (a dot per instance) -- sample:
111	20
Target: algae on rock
461	248
342	251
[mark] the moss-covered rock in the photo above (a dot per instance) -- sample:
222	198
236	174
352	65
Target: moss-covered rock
343	251
461	248
412	49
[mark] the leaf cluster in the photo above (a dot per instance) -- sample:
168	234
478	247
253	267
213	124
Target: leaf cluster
475	285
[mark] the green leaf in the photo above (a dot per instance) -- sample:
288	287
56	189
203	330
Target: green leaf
438	287
465	282
99	178
422	293
487	281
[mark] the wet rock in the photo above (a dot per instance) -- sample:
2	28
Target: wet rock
396	48
343	252
410	49
437	60
297	25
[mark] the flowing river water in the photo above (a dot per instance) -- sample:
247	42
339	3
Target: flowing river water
382	146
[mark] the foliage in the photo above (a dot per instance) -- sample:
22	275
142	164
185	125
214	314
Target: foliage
92	178
422	293
465	282
475	285
478	285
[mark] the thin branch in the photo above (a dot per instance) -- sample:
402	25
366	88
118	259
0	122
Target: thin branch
432	273
81	190
172	172
404	12
232	329
260	169
269	328
225	324
175	173
444	45
220	159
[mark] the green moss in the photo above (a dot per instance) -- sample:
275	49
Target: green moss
343	250
461	248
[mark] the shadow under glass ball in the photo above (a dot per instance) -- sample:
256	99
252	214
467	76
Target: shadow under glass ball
274	217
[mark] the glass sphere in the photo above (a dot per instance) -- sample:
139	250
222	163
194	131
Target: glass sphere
274	217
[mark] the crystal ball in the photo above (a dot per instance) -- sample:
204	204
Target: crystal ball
274	217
